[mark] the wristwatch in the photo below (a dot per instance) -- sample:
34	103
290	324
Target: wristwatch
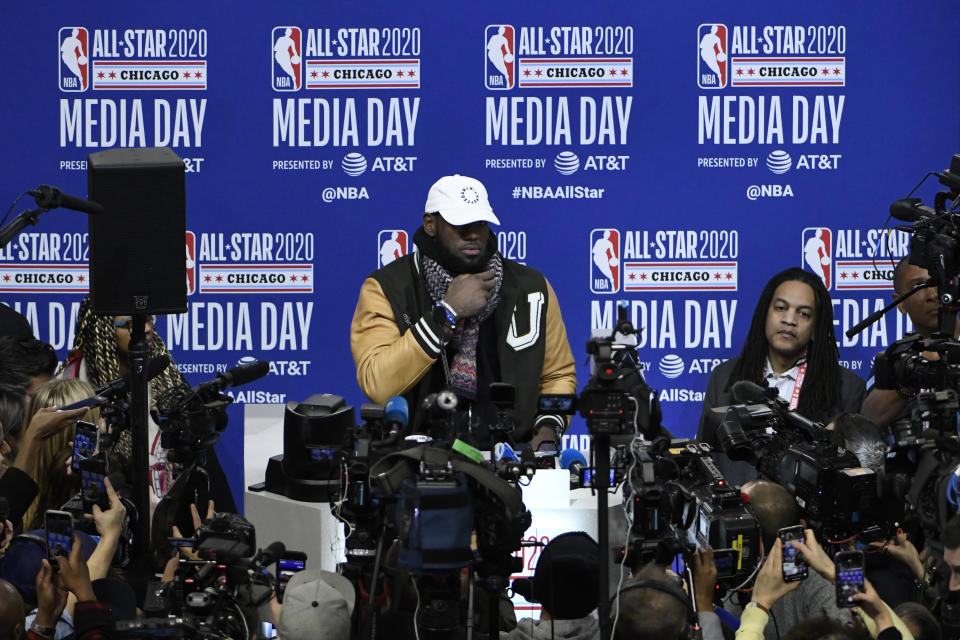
46	632
445	316
754	604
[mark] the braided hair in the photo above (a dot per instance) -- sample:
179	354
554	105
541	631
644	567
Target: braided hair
820	392
96	342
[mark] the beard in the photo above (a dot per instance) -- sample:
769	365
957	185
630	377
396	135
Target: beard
457	264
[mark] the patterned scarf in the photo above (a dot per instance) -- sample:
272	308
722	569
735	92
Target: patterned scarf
463	369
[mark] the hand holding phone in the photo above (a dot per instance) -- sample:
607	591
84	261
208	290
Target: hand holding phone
794	565
289	563
850	579
59	534
85	442
93	490
87	403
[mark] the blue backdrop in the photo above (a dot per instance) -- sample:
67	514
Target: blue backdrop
672	157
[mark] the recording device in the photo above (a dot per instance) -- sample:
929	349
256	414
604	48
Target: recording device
85	442
87	403
793	564
848	567
838	497
93	491
288	564
59	533
677	501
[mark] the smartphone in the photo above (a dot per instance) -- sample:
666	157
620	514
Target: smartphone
85	442
848	566
92	489
59	530
289	563
794	567
727	562
88	403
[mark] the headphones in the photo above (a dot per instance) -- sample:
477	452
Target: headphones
691	630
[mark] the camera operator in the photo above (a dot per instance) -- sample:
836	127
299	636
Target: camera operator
790	346
886	400
456	314
775	509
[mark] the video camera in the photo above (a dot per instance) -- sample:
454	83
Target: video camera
839	497
677	501
216	595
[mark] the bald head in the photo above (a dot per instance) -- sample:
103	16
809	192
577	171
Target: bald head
12	619
774	506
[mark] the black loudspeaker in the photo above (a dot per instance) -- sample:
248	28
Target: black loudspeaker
137	245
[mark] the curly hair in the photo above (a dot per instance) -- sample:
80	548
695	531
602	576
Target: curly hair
95	341
56	487
820	392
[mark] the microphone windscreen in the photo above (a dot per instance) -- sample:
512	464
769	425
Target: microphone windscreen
569	456
746	392
156	365
246	373
396	410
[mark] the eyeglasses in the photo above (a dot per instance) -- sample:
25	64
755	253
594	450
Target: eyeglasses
127	325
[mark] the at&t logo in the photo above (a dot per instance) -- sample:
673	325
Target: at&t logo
604	261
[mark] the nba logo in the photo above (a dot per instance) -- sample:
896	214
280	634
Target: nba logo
286	59
191	263
73	58
817	252
712	61
604	261
391	244
499	63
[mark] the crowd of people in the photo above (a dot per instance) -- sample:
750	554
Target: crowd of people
456	315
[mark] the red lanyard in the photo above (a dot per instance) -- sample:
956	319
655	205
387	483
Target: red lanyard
801	372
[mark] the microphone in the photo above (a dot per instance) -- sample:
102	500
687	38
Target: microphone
155	367
48	197
747	392
241	374
911	210
396	414
271	554
574	461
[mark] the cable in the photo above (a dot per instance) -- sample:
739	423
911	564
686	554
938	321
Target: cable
416	612
626	533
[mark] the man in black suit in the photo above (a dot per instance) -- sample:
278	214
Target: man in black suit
790	346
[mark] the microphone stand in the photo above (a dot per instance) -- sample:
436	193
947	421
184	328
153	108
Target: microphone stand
140	457
18	224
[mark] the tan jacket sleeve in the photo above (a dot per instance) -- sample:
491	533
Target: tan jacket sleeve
388	364
559	373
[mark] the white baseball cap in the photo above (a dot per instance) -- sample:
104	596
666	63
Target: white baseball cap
460	200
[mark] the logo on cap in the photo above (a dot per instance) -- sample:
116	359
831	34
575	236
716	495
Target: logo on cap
470	195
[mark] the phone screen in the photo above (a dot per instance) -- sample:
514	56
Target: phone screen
726	561
794	566
92	489
84	443
286	567
59	529
849	569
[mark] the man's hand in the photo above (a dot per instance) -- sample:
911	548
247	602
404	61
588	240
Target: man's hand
51	599
468	293
704	579
815	556
49	421
189	554
769	586
74	574
110	522
871	604
904	551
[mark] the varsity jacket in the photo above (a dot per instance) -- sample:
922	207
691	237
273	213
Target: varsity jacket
396	342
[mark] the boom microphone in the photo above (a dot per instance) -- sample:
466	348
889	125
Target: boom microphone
48	197
270	555
239	375
747	392
155	367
